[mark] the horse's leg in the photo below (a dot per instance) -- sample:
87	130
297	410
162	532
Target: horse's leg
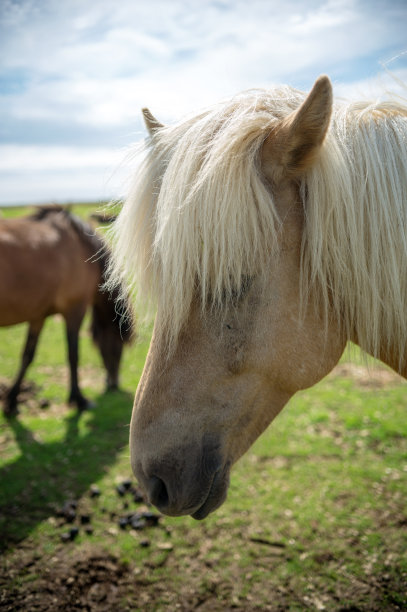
73	322
34	330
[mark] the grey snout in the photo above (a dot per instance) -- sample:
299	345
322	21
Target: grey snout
186	482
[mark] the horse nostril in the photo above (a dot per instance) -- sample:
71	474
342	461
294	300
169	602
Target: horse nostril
157	492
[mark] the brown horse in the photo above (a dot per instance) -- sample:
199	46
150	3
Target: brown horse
52	262
269	230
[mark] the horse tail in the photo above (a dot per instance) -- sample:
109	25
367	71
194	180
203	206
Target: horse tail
111	310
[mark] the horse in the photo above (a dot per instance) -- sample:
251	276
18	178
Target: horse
267	231
53	262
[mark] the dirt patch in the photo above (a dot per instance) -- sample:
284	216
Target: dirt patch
92	582
31	398
89	376
97	581
370	377
31	395
28	391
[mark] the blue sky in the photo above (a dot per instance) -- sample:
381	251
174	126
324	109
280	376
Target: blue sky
74	74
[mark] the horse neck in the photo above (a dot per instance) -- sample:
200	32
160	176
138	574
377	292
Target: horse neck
92	241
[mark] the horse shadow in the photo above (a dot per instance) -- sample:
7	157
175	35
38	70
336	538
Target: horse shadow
45	475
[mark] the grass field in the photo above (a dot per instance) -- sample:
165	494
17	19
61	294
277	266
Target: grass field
316	516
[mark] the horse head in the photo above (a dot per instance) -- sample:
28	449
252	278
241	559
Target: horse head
224	215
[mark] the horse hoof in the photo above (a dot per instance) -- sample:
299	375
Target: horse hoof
81	403
86	405
111	388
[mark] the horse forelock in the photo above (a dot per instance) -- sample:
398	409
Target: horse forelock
199	213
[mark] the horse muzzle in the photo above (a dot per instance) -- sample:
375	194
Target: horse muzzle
182	483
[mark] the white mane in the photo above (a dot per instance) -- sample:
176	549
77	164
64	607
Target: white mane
199	217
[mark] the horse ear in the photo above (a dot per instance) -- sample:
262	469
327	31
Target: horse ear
295	141
152	124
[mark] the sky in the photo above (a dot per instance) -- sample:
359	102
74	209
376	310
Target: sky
75	74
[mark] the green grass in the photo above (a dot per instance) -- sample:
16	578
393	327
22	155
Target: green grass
315	517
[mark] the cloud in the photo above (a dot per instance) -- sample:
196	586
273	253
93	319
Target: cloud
114	51
54	174
78	73
13	158
380	87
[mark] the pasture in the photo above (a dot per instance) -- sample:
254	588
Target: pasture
315	518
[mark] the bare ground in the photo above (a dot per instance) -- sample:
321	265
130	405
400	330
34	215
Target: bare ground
95	580
372	377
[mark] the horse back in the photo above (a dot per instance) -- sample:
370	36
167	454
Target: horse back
44	269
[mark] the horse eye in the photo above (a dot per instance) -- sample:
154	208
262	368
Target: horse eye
228	326
240	293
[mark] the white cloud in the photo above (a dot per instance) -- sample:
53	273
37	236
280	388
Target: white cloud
62	173
380	87
92	66
13	158
60	186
